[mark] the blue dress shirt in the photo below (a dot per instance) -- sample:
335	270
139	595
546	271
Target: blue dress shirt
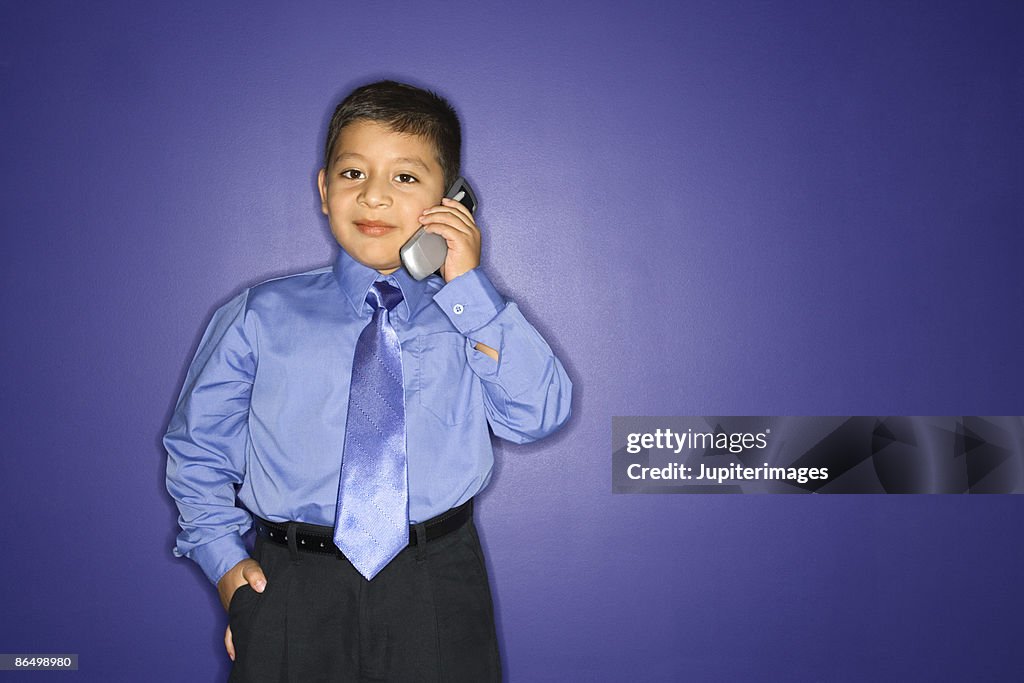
262	412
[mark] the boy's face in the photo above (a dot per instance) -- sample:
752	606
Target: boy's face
374	189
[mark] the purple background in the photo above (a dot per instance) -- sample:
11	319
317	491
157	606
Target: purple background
718	208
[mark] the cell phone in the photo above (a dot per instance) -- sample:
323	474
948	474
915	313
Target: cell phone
425	252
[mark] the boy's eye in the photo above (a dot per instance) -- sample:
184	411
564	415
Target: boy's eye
405	178
351	174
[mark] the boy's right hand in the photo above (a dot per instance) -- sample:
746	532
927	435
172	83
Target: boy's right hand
247	571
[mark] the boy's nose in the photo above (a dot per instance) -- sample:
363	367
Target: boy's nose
375	193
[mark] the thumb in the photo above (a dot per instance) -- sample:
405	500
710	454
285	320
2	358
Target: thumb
253	574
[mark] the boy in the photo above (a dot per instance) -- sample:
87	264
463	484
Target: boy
348	409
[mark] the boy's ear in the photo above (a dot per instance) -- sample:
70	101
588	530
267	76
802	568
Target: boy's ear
321	182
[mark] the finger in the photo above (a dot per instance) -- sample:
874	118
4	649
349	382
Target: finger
457	213
447	204
447	215
451	220
456	238
458	206
253	574
229	644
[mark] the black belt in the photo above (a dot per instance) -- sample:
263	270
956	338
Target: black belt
320	539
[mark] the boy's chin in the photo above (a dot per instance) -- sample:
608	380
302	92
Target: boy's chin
382	265
375	254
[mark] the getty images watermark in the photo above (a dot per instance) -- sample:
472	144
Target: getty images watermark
786	454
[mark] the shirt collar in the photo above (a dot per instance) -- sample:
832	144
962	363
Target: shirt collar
355	281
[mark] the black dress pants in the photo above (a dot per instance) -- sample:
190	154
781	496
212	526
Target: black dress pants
427	616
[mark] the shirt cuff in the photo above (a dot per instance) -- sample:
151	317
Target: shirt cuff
470	301
219	555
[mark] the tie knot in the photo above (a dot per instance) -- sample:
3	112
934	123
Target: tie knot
383	295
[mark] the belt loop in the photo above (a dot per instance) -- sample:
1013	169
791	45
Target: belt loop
293	545
421	541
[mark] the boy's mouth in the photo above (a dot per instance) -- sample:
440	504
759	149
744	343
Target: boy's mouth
374	228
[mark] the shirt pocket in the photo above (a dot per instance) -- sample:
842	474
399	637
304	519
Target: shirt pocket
446	384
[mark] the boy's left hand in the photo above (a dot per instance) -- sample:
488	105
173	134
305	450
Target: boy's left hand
453	221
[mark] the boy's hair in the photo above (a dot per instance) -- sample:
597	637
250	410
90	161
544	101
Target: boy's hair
404	109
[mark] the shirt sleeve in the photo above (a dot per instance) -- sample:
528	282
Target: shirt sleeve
527	393
206	442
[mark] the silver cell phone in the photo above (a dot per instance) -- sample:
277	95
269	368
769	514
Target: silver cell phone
425	252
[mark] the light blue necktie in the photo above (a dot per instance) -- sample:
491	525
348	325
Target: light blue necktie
372	521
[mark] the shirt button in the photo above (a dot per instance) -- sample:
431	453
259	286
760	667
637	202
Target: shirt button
458	309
